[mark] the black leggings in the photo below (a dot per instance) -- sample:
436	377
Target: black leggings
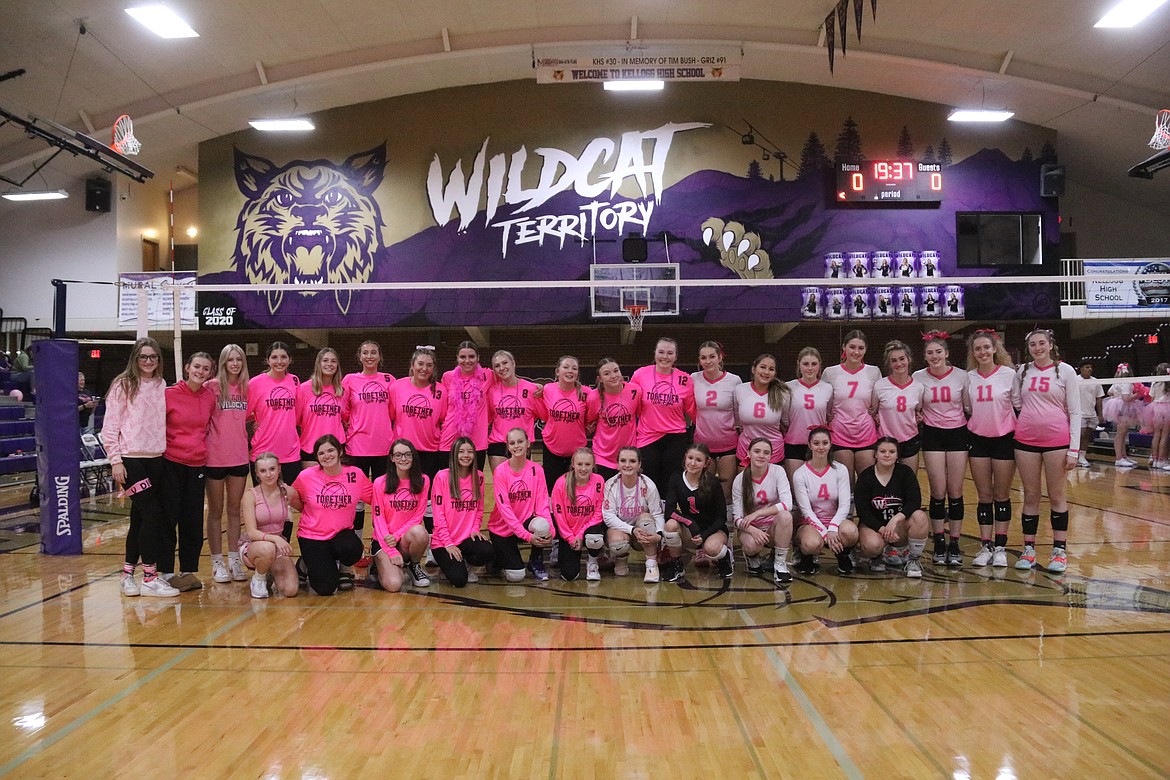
183	499
555	466
144	476
373	466
476	552
321	557
663	457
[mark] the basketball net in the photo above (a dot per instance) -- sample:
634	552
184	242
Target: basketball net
123	140
635	314
1161	138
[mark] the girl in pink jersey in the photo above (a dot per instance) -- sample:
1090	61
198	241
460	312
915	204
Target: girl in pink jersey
576	506
944	444
521	512
467	409
265	509
418	405
810	401
614	406
400	499
512	402
760	406
227	461
668	399
632	512
1124	410
715	424
327	496
853	428
189	407
761	506
457	495
134	435
1157	417
272	408
897	403
567	416
1048	432
821	490
369	430
990	378
321	404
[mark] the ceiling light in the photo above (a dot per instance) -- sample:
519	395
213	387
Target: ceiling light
36	195
1128	13
162	21
979	115
634	85
289	125
192	232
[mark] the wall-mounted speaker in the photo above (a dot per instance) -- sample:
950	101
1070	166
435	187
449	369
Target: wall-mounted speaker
97	194
1051	180
634	249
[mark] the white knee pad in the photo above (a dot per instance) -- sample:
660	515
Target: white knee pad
514	575
619	549
646	524
594	541
539	526
672	539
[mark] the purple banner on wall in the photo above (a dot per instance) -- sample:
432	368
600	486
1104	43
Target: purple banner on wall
58	440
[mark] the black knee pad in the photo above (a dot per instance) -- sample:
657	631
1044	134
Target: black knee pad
938	509
983	513
955	510
1003	511
1031	524
1060	521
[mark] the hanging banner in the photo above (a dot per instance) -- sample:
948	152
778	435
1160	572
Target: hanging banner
663	63
843	20
830	37
1135	297
159	300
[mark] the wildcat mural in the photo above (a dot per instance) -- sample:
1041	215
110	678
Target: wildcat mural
309	222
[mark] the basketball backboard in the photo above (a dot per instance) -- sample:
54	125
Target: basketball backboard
660	301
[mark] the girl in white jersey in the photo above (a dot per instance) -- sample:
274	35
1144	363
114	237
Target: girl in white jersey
1157	417
944	444
990	379
1124	410
761	506
632	511
715	411
1048	433
810	400
852	426
760	405
897	403
821	490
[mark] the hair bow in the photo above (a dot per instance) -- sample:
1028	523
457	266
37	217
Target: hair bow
429	347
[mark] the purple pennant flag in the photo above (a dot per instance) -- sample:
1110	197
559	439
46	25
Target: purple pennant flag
873	8
830	38
843	20
858	15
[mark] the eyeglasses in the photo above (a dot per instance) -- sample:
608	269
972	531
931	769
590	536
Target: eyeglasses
147	358
401	456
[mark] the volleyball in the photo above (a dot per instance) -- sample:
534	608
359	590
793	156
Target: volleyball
18	395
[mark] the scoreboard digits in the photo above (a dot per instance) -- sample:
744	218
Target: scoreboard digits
889	181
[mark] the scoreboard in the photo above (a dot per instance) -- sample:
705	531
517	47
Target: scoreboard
889	181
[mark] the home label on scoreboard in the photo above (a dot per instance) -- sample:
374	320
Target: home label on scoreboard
889	181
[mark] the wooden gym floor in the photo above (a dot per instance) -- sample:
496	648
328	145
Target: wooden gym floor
968	674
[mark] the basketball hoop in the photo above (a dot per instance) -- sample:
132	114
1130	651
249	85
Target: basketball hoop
635	314
1161	138
123	140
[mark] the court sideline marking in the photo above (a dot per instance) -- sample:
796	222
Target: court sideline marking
85	718
810	711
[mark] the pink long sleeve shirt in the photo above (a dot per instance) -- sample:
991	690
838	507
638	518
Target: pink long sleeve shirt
519	498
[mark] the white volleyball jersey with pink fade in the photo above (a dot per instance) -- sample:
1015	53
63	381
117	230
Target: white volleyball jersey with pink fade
715	409
418	412
368	398
943	397
989	400
1050	406
758	419
772	490
897	407
823	496
851	424
808	408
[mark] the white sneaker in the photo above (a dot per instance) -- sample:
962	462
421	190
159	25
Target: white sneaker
983	557
1166	465
236	567
129	585
913	568
430	559
592	570
158	587
621	566
219	571
259	586
472	577
999	558
1083	462
1124	463
651	571
417	575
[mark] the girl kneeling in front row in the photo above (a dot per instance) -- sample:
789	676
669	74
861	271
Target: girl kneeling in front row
632	512
400	538
760	501
576	505
521	512
264	509
823	495
457	497
889	509
696	515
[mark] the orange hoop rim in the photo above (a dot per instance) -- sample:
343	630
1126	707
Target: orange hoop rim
122	138
635	313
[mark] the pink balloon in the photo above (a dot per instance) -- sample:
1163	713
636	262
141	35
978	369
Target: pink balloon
19	396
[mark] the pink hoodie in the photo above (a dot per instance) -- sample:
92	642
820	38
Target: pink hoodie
137	430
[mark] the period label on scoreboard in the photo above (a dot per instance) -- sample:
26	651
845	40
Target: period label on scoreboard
889	181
